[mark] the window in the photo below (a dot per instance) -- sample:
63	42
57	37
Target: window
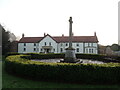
54	50
91	44
34	49
61	44
45	43
24	44
92	51
34	44
77	44
86	50
89	50
41	49
49	43
24	49
37	49
66	44
88	44
61	50
77	49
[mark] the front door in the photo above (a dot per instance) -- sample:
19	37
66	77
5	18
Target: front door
47	50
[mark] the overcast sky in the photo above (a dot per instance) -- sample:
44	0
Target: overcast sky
34	17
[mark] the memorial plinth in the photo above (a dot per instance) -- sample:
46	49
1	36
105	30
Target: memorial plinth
70	56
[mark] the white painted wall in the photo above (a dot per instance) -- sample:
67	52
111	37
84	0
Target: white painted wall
80	47
29	48
48	40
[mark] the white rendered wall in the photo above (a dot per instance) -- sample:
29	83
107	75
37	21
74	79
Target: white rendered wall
63	46
80	47
83	47
29	48
48	40
20	48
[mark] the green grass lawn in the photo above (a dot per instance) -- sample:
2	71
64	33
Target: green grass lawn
0	74
10	81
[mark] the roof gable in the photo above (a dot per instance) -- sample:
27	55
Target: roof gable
49	36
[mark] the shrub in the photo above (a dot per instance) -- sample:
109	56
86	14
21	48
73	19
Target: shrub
65	72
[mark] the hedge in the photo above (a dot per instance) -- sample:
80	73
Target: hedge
97	57
65	72
45	56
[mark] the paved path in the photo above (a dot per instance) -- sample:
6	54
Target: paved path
58	60
48	60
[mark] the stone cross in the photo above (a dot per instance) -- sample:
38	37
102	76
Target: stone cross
70	32
70	56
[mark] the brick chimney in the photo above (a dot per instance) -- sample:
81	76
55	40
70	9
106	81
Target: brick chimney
44	34
94	33
23	35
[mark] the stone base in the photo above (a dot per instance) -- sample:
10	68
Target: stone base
70	56
70	60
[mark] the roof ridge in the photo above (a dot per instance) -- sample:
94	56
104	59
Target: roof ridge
30	37
60	39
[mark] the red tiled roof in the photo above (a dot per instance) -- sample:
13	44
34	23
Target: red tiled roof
77	39
30	39
60	39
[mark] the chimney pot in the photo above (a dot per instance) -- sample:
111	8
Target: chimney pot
44	34
23	35
94	33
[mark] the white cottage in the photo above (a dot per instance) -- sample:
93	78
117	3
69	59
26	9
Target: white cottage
58	44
